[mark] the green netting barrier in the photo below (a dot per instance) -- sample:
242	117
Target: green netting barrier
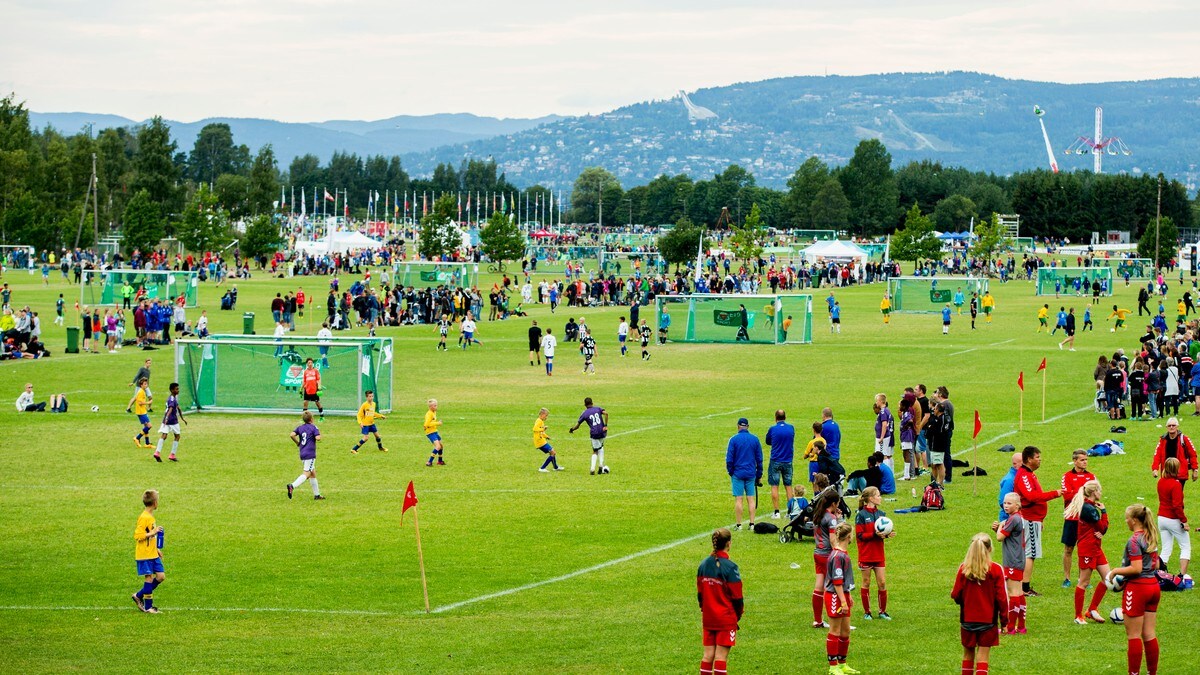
105	287
931	294
262	375
431	274
755	319
1065	278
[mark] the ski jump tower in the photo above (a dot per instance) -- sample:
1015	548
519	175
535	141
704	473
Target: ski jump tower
695	112
1098	145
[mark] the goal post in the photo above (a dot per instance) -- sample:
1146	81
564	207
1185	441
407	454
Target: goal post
928	295
627	262
103	287
239	374
1051	280
731	318
430	274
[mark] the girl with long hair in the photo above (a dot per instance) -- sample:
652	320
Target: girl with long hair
1088	510
719	592
870	550
1141	594
839	581
1172	520
983	604
826	516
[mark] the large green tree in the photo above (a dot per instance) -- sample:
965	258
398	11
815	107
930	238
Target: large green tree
592	184
439	235
142	223
803	187
955	214
916	240
748	238
154	165
501	239
870	186
679	245
990	239
1159	241
213	153
830	209
264	181
205	225
261	238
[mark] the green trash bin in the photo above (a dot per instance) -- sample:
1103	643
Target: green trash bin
72	340
248	323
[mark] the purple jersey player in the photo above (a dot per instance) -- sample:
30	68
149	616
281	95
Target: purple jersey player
305	437
597	421
170	425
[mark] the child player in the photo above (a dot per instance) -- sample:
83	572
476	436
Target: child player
622	334
1093	524
432	426
587	347
305	437
597	421
719	592
839	581
1142	593
979	594
172	416
885	308
828	516
146	540
140	405
443	326
312	387
541	441
644	334
1011	533
870	550
366	420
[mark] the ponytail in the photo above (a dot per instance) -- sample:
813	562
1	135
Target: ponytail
1089	489
720	539
979	558
1149	524
865	497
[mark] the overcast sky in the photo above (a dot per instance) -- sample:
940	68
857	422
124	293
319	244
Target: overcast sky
311	60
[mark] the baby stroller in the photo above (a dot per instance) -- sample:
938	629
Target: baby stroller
802	525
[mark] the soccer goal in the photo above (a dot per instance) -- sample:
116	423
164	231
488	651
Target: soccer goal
1073	280
229	373
18	257
628	262
425	274
931	294
103	287
719	318
1131	268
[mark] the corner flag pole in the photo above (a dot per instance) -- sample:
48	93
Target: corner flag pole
1044	390
421	556
975	454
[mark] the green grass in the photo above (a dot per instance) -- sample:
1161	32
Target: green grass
244	564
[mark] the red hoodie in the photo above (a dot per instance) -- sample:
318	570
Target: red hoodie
1033	499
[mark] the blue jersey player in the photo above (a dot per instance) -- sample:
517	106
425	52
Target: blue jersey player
597	421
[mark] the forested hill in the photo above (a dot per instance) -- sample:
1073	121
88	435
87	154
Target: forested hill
980	122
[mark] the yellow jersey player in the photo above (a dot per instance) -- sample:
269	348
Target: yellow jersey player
140	406
1043	315
885	308
366	420
988	303
147	541
432	426
541	441
1121	314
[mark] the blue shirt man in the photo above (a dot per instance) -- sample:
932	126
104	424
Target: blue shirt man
832	433
1008	484
887	485
743	463
782	439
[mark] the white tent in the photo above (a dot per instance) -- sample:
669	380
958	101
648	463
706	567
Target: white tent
342	241
835	250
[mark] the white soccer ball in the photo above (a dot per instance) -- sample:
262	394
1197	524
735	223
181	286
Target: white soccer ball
884	526
604	469
95	408
1115	583
1116	616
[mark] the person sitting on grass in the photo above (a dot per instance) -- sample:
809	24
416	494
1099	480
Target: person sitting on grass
25	402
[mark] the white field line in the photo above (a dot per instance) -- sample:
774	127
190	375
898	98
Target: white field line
126	608
635	431
965	351
1004	342
994	344
570	575
1010	433
722	414
1068	414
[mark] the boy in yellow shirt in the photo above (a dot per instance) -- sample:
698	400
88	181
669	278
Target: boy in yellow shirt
140	406
541	441
1043	315
988	303
1120	314
146	538
366	420
432	424
885	307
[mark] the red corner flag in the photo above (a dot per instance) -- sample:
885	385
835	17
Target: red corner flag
410	500
978	425
1043	365
1021	380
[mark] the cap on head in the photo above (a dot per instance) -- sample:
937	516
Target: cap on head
743	422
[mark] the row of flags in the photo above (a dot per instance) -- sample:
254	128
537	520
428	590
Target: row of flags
543	206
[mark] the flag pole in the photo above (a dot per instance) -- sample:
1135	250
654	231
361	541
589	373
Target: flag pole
1021	407
420	556
975	461
1044	393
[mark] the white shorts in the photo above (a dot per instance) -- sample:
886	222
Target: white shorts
906	446
169	429
1033	539
887	450
597	444
310	465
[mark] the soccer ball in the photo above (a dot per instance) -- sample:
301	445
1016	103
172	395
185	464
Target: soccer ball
1116	616
604	469
95	408
1115	582
883	526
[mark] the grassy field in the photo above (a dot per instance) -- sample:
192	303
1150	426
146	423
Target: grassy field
529	572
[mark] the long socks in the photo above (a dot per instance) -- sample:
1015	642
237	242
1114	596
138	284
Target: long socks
882	600
594	460
908	472
981	668
1079	594
158	448
1024	611
865	594
818	605
174	447
843	649
1133	655
720	668
968	667
299	481
316	490
706	668
1151	647
832	646
550	459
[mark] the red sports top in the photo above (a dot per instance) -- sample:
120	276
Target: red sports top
1170	499
1182	449
1071	482
1033	499
312	379
719	591
981	602
1092	521
870	546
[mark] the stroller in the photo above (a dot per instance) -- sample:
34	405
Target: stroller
802	525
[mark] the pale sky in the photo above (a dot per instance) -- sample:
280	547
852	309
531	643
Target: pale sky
313	60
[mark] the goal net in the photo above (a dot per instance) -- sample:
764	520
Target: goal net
1073	280
719	318
105	287
931	294
422	274
229	373
628	262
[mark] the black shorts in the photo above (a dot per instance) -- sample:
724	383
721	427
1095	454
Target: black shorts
1070	535
533	347
312	397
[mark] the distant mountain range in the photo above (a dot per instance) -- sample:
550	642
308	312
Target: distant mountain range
973	120
977	121
393	136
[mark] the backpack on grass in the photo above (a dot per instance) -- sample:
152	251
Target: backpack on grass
932	498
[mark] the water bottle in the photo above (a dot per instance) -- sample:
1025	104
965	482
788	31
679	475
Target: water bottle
160	538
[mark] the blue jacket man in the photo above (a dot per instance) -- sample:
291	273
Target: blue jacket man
744	464
1008	484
